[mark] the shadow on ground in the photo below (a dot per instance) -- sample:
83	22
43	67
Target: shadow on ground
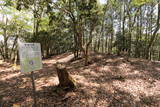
110	81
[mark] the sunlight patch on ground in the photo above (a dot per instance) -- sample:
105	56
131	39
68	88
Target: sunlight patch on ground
79	78
11	76
93	73
107	87
103	103
158	69
1	62
53	61
43	82
87	70
26	82
84	81
138	87
66	59
93	84
105	68
124	66
16	67
109	60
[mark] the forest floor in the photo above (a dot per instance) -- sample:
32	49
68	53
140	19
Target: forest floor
109	81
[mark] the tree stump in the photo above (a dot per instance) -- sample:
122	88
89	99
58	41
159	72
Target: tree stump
65	80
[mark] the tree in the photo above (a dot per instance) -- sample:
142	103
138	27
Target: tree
13	26
84	21
154	32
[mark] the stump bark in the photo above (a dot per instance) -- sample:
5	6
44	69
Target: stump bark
65	80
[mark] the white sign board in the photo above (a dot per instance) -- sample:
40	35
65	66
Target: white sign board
30	56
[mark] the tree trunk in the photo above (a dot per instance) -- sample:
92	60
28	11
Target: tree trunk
111	45
155	32
13	47
98	45
5	46
137	54
86	51
159	56
95	46
65	80
106	45
150	55
16	58
86	56
123	27
102	45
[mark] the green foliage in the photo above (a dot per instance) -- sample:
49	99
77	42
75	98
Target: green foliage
141	2
60	25
44	24
6	2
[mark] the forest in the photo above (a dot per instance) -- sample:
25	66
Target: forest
95	53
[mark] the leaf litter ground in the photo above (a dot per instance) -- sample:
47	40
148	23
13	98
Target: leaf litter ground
109	81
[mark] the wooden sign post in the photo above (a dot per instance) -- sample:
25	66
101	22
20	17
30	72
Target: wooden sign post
33	90
30	60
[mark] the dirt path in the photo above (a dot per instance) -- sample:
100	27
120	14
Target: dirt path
109	81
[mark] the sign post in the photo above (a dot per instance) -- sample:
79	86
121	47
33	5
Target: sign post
30	60
34	89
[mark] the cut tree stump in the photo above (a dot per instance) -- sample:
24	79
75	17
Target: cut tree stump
65	80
